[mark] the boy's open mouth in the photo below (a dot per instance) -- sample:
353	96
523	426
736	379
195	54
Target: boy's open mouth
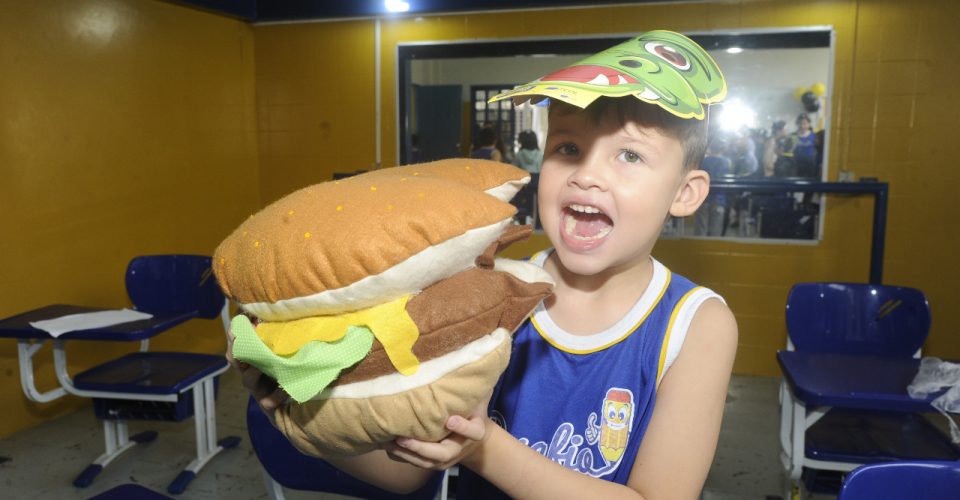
585	222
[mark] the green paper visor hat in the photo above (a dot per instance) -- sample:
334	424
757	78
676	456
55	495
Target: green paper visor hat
657	67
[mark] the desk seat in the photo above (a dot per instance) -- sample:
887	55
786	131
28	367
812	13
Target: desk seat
150	372
870	437
877	436
162	373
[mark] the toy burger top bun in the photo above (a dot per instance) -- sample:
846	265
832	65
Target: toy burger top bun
351	244
498	179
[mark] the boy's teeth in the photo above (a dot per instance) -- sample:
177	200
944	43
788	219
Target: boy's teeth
585	209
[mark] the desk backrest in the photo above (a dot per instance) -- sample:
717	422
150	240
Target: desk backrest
173	284
292	469
916	480
857	318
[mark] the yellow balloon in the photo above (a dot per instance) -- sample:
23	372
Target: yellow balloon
819	89
797	94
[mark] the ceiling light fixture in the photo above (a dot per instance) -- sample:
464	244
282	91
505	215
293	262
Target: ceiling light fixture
396	5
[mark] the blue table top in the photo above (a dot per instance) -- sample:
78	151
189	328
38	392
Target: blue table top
852	381
18	326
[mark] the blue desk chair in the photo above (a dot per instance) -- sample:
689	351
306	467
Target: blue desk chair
916	480
854	318
857	318
168	386
285	466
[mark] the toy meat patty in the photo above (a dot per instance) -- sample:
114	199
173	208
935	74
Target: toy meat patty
377	303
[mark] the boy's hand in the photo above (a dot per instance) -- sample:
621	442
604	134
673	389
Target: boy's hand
466	436
264	389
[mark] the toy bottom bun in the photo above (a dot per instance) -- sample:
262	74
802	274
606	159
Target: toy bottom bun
357	418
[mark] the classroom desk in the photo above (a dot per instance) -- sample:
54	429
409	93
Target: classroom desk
30	340
156	377
816	382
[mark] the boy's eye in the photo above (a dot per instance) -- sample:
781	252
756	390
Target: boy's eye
568	149
629	157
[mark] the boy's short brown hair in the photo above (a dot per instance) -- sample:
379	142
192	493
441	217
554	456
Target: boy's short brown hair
691	133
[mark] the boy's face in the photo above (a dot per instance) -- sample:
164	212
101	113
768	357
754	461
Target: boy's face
606	189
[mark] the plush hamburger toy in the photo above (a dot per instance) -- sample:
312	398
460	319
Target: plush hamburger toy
376	301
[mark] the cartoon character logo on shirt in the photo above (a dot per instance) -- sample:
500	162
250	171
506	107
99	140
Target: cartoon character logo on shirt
575	451
616	422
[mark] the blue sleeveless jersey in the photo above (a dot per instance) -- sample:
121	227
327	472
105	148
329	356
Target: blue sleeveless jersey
585	401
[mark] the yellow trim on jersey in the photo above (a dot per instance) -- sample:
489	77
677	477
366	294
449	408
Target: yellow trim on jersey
666	338
534	257
632	329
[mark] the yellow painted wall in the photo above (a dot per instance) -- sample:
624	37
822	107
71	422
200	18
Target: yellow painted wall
893	109
127	127
315	103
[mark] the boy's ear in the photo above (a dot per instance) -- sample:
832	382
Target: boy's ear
693	190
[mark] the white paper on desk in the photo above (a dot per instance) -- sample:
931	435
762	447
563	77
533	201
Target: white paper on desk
934	375
85	321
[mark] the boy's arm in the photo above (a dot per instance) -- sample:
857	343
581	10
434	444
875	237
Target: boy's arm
381	471
677	448
681	438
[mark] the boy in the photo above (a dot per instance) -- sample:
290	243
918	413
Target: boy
599	399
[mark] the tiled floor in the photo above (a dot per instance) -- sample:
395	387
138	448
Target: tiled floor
44	460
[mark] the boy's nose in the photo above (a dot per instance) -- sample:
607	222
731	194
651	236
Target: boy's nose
589	175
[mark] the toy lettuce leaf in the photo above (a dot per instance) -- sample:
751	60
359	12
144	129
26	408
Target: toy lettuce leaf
307	372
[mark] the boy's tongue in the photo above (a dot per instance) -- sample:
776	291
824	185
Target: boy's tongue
587	226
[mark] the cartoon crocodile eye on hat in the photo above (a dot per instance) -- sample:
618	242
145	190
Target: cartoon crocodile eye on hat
658	67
